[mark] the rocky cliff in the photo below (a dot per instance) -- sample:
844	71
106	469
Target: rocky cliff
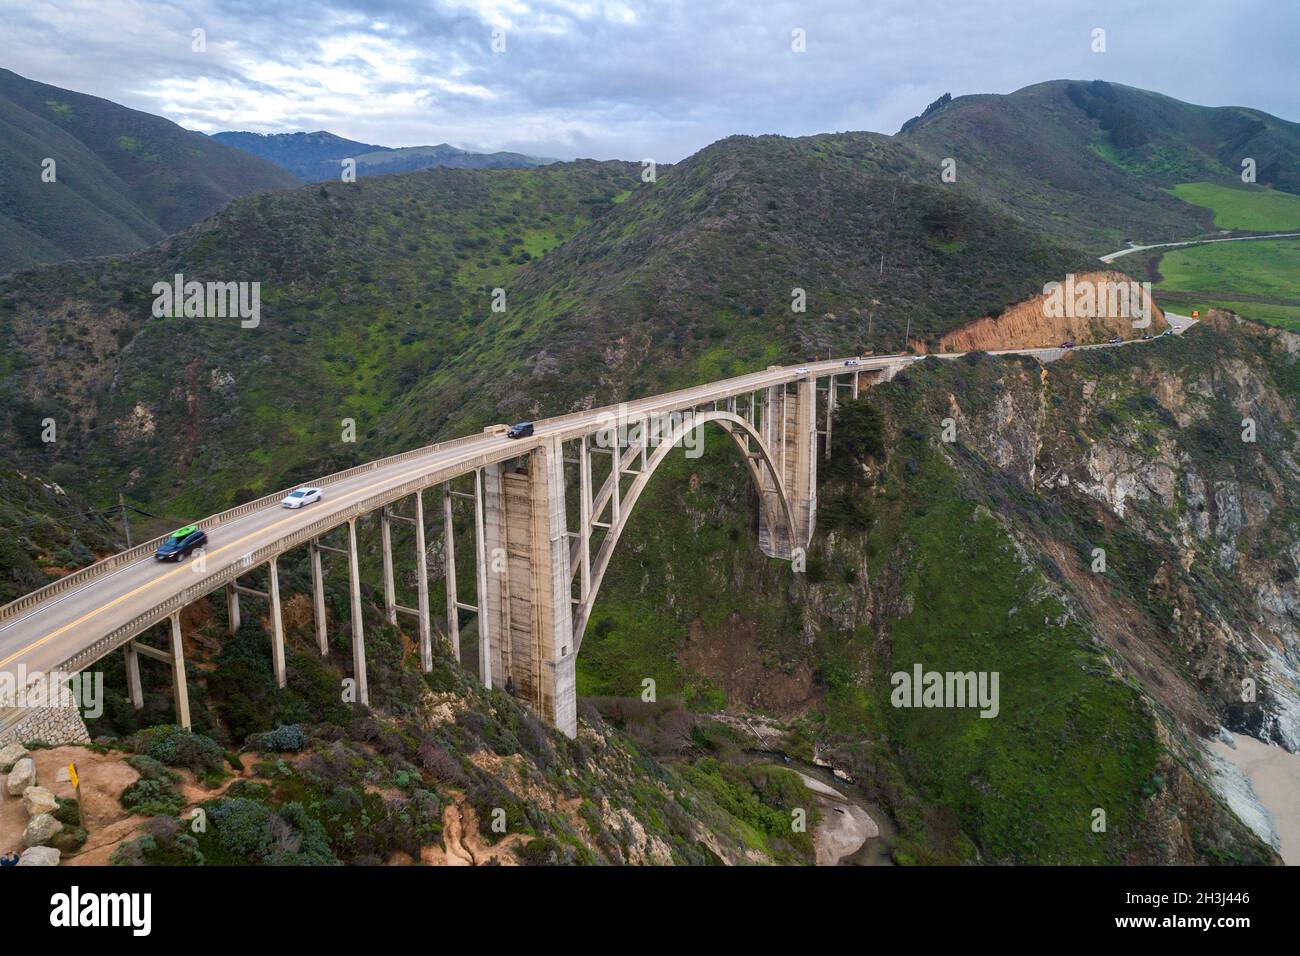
1088	307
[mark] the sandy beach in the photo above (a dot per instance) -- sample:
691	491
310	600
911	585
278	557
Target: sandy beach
1275	776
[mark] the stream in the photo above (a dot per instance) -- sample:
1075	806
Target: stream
853	831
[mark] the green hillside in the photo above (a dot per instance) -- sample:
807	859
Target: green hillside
1093	159
1253	209
124	179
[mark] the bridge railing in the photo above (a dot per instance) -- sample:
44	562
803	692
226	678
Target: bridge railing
131	555
217	579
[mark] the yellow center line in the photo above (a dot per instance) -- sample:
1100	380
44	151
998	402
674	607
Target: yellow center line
158	580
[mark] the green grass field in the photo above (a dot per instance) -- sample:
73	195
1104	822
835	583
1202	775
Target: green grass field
1232	275
1252	208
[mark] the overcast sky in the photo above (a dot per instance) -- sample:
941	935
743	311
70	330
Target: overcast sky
625	78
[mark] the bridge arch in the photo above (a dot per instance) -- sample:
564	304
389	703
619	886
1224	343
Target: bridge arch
773	499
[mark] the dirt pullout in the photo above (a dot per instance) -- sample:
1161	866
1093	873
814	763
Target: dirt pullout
1027	324
103	778
730	656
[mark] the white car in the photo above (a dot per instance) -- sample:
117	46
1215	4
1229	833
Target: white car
801	370
301	497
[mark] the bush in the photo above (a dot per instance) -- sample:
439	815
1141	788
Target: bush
178	747
153	798
287	738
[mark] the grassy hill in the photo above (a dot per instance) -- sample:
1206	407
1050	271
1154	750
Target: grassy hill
1093	160
124	179
316	157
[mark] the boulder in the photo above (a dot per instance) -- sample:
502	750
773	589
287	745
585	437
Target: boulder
39	856
22	776
41	829
38	800
10	754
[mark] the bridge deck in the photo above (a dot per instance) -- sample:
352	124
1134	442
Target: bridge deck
52	632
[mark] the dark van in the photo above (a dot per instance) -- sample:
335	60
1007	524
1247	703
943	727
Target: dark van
521	430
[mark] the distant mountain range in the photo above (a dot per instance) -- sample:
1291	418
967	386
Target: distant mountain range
316	157
122	179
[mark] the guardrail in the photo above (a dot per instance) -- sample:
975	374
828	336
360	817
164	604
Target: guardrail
122	558
217	579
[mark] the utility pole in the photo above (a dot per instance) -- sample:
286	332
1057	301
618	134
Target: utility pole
908	334
126	521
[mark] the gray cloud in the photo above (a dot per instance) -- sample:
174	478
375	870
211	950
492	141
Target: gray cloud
628	78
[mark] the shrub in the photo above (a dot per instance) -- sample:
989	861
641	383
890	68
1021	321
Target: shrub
287	738
178	747
153	798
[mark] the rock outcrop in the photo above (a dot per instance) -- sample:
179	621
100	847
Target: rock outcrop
1046	321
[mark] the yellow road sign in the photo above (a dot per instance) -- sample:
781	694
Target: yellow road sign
72	775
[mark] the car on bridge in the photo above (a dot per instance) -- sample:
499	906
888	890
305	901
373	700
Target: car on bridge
521	430
180	543
1067	344
852	362
301	498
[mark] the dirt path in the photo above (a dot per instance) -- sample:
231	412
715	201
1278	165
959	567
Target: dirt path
465	846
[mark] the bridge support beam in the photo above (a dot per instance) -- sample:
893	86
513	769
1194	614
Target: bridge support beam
358	631
789	429
318	595
386	539
422	587
134	689
232	608
180	689
529	601
481	561
277	624
449	559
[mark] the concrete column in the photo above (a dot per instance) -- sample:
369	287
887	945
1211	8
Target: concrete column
790	433
530	605
855	384
358	631
449	550
494	603
830	415
181	691
584	518
481	561
616	473
277	625
390	590
804	466
422	587
318	596
232	608
134	689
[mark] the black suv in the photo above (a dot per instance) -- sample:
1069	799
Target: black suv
179	544
522	430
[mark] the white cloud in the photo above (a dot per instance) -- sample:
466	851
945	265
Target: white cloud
626	78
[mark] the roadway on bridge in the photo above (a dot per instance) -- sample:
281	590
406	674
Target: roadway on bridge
49	633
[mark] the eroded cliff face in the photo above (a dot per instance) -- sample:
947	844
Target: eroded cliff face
1088	307
1103	532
